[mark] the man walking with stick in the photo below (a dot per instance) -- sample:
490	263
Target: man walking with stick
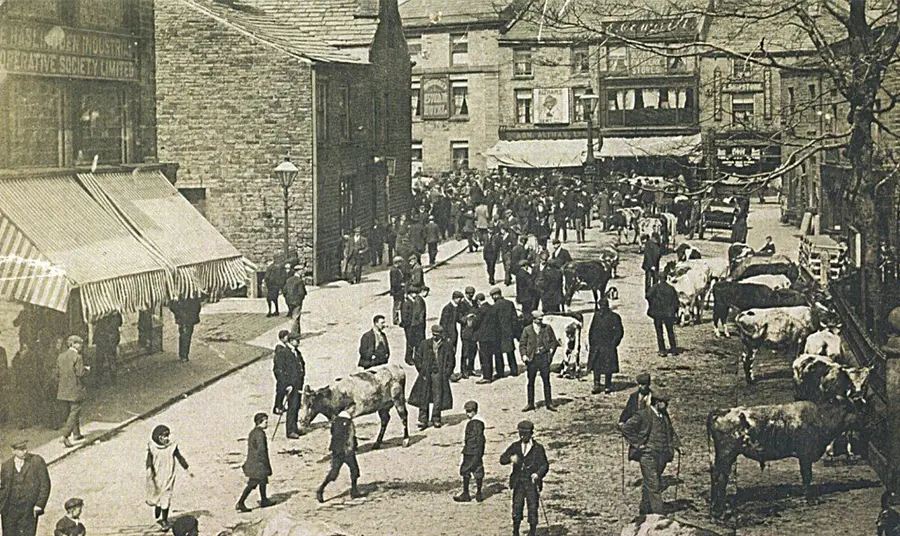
530	466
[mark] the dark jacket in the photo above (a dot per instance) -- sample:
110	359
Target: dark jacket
257	465
662	301
429	364
508	319
562	256
492	246
651	255
289	368
550	283
35	488
371	355
632	406
474	439
536	347
67	526
106	331
412	312
70	370
449	321
275	276
636	432
517	254
432	233
605	334
417	236
186	311
343	436
376	236
535	463
526	290
398	282
416	276
294	290
487	324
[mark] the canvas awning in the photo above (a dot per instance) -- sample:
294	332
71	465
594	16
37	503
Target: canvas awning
169	226
571	153
54	237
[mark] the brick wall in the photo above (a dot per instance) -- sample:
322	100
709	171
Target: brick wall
145	137
229	108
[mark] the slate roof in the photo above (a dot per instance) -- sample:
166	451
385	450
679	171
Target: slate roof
575	20
337	22
419	13
289	38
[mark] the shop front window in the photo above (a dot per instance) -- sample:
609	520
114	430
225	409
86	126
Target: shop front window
99	125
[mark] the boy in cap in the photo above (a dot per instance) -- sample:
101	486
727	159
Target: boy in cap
530	466
639	399
186	526
469	346
473	454
343	451
256	468
70	524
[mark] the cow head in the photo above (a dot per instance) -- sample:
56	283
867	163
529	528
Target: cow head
312	403
859	382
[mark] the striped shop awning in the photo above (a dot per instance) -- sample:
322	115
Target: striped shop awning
165	222
56	237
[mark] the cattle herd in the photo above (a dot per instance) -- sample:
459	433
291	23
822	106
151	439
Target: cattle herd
774	308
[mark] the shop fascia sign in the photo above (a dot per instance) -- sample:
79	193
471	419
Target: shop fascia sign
673	27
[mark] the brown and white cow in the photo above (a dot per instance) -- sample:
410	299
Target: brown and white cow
691	280
743	296
826	341
818	379
776	326
801	430
378	389
687	251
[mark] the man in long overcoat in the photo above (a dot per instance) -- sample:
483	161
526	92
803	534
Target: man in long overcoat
527	293
434	363
487	334
605	334
550	284
24	490
508	320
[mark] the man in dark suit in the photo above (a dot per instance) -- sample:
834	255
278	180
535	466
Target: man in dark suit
24	490
537	345
412	320
281	349
530	466
373	345
290	372
517	254
274	278
638	400
187	315
398	287
434	363
662	307
450	319
487	334
550	284
507	320
526	291
559	253
493	243
652	442
605	334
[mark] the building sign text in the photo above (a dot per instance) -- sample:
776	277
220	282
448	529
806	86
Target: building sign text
435	97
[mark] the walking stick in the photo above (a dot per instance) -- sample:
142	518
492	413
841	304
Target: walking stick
284	404
677	475
544	511
622	459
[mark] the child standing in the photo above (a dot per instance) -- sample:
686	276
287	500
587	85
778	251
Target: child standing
343	451
70	524
161	456
572	362
469	346
257	467
473	454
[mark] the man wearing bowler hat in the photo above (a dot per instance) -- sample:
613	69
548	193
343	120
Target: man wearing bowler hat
530	466
434	363
24	490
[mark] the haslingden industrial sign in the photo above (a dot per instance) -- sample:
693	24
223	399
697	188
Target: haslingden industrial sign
46	50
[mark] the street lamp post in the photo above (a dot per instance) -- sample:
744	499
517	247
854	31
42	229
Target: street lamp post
589	102
286	173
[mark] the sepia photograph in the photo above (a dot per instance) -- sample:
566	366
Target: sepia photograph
449	268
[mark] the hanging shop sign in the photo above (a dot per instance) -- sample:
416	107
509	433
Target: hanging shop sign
551	106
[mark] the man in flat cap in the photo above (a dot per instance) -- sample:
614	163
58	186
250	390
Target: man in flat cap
71	369
24	490
530	466
412	320
639	399
398	287
473	454
434	364
652	442
450	320
537	345
508	321
527	293
357	254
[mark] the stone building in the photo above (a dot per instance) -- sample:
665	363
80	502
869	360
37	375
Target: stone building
646	115
243	84
454	91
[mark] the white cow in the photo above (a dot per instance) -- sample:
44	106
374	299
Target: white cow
776	326
647	227
671	227
562	325
692	285
826	342
774	282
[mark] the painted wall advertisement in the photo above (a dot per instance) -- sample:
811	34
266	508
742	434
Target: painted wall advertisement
551	106
436	97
